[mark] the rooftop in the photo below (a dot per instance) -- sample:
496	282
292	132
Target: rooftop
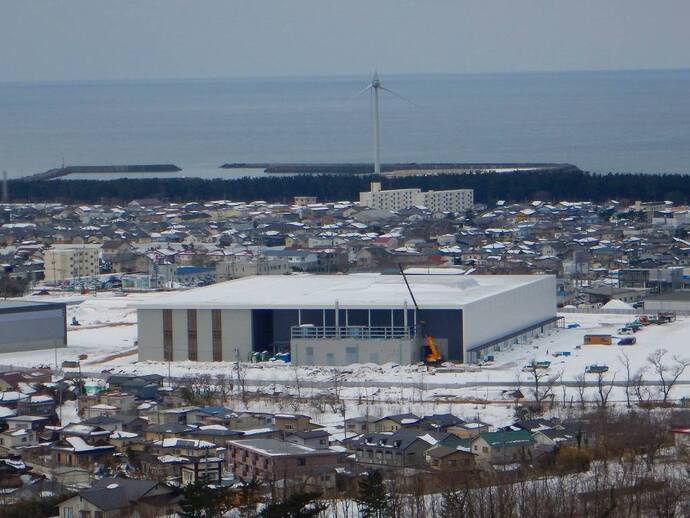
275	447
350	291
16	306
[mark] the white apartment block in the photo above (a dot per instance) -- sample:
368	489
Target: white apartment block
245	267
71	262
457	200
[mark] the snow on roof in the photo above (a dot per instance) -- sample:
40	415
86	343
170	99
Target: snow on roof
6	412
167	459
122	435
80	445
173	442
428	438
257	431
352	291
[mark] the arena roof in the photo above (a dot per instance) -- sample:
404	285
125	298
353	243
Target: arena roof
350	291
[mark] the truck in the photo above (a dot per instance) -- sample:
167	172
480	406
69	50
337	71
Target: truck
543	364
665	317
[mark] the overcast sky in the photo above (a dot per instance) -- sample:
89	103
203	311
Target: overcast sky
125	39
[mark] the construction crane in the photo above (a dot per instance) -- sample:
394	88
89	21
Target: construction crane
429	350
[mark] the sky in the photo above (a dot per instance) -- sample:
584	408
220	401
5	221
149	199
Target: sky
59	40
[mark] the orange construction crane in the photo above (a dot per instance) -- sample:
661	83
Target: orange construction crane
429	350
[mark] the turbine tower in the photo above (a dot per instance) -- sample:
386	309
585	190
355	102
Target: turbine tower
375	86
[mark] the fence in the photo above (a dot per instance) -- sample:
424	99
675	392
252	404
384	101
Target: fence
632	311
356	332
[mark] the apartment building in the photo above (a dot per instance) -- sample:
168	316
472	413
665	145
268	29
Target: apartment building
457	200
271	460
244	267
71	262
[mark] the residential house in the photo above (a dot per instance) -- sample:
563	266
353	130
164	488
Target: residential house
503	447
119	497
446	458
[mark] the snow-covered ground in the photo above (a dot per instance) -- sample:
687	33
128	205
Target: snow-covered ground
107	334
107	328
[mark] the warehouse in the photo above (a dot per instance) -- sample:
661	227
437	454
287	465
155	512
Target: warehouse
27	326
346	319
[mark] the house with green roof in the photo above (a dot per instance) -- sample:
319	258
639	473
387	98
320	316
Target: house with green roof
503	447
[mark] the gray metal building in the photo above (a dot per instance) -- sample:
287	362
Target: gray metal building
28	325
346	319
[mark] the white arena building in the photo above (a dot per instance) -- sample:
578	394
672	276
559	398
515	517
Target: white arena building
346	319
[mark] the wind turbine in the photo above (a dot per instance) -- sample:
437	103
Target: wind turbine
375	86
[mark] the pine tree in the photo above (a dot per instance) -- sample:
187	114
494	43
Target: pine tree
372	497
202	501
297	505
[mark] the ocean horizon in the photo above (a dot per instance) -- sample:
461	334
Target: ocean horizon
600	121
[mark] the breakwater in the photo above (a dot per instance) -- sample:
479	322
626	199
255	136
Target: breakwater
76	169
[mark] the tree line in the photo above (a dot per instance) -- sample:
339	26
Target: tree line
568	184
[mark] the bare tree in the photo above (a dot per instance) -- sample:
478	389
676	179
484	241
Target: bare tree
224	387
241	374
604	388
641	391
581	385
561	381
197	390
298	387
668	374
624	360
542	383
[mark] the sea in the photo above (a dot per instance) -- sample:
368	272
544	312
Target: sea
622	121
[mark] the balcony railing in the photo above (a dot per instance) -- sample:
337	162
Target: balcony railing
306	332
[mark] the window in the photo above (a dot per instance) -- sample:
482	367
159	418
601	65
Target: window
301	461
67	512
485	449
84	514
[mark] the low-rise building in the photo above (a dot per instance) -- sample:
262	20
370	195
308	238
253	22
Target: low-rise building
503	447
272	460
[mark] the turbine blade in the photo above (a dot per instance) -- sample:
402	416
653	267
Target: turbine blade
363	90
399	96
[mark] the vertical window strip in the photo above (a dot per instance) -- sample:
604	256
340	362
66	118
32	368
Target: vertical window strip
192	348
217	335
167	335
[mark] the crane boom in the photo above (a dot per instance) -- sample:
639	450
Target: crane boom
431	354
402	272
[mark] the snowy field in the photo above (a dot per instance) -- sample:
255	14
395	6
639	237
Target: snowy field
107	334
